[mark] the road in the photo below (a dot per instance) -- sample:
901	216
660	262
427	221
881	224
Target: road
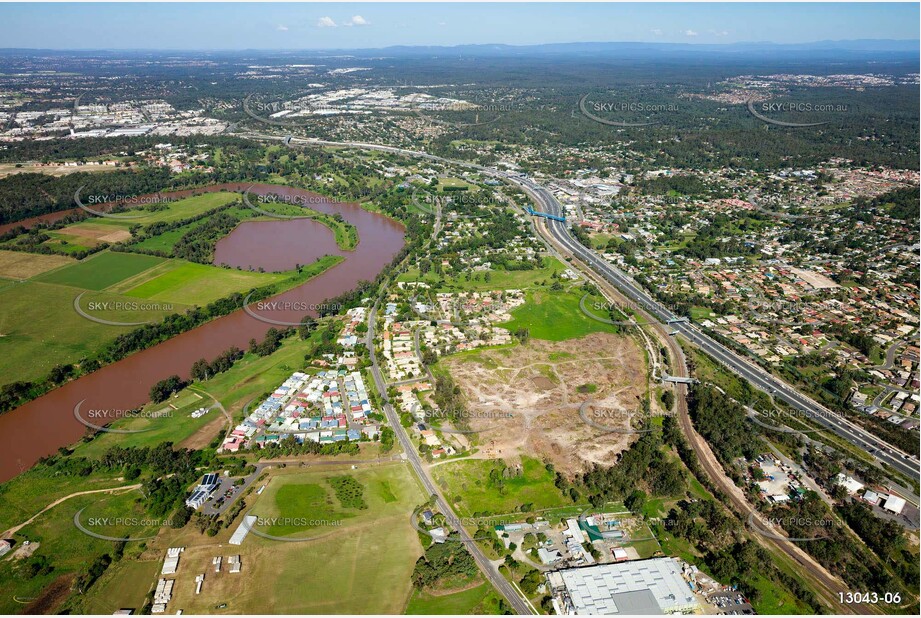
824	583
877	448
488	569
757	376
630	291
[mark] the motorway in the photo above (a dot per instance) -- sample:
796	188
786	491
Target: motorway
624	286
760	378
877	448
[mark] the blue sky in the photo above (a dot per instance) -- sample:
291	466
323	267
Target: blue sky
364	25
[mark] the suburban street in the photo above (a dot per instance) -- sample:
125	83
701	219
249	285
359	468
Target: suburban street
760	378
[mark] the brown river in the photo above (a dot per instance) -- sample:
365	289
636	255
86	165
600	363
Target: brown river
42	426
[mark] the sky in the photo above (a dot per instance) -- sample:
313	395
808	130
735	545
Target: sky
371	25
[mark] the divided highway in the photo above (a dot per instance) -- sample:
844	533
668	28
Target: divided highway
879	449
760	378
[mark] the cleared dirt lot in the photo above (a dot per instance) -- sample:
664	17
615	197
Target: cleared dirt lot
526	399
98	232
7	169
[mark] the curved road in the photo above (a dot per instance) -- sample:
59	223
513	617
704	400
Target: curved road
627	288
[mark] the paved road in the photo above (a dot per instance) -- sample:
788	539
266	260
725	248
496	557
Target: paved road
824	584
880	450
761	379
643	302
412	456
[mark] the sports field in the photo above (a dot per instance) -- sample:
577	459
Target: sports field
362	567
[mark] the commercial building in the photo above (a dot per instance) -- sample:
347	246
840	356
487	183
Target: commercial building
653	586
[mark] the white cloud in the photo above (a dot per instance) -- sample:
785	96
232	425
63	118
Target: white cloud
326	22
358	20
442	23
282	28
656	31
690	33
719	32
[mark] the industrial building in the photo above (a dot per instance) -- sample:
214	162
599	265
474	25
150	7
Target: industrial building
653	586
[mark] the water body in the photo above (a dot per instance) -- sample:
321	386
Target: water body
40	427
276	245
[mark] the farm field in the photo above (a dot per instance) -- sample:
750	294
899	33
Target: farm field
190	283
100	271
20	265
41	329
175	210
364	566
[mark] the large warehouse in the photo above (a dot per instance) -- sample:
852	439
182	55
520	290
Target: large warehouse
653	586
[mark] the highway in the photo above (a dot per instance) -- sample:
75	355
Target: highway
880	450
760	378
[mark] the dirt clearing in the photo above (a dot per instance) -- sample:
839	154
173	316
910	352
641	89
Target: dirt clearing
527	398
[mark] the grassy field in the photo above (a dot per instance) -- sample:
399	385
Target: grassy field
69	550
554	316
174	211
198	284
20	265
25	495
41	329
498	279
363	567
124	585
101	270
164	422
477	600
468	481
